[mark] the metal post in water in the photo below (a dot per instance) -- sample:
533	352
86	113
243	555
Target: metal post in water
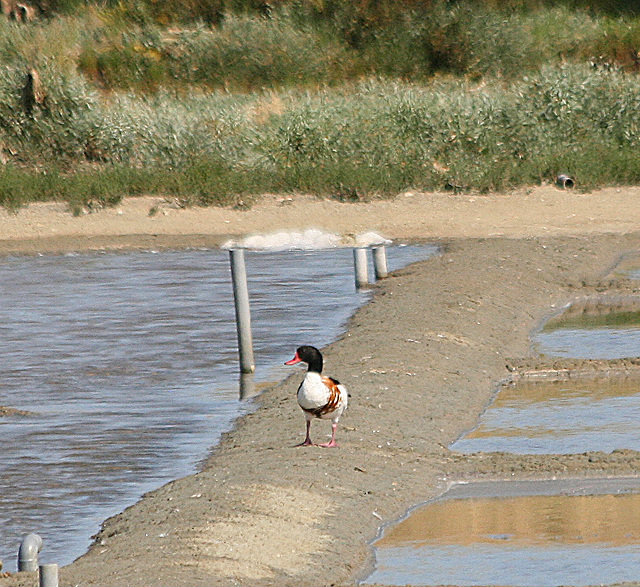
380	261
49	575
247	386
360	265
243	313
30	546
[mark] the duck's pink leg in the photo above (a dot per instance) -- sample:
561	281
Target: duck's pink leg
307	440
332	442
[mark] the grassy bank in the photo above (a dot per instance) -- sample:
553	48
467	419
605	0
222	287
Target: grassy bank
460	97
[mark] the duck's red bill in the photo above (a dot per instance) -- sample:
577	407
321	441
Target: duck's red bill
293	361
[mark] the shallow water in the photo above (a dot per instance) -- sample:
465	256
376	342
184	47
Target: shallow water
559	417
521	540
537	540
129	364
568	416
594	343
611	333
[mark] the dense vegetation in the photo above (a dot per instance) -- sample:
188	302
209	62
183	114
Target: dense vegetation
212	101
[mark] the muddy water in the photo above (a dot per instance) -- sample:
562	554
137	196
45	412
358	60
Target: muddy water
524	539
560	417
128	363
574	416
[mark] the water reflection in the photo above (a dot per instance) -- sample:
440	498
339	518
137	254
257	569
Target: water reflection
610	333
525	541
601	343
532	520
247	386
628	267
560	417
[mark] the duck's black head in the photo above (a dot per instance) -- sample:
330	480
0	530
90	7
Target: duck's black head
309	355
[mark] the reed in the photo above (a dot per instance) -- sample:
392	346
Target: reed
353	142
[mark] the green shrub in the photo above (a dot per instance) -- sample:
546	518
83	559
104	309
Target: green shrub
464	96
245	53
391	137
59	126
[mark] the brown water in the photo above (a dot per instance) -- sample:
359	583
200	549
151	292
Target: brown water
537	536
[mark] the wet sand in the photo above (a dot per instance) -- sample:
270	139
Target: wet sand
421	361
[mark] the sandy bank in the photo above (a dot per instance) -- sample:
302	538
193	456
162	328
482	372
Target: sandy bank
421	361
155	222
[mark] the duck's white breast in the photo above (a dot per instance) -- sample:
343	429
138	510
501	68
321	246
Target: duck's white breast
312	393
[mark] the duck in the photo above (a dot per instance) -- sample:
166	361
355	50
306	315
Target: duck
319	396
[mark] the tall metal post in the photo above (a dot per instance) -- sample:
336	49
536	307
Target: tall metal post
247	385
243	313
360	265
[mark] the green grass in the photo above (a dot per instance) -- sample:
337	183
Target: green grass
353	142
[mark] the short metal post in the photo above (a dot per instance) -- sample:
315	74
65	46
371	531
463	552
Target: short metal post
361	270
380	261
564	181
30	546
243	313
49	575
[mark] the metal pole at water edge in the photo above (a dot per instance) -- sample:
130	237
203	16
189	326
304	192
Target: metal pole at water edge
360	266
243	313
380	261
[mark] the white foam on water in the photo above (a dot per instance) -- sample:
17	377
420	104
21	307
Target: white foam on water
369	239
311	239
308	240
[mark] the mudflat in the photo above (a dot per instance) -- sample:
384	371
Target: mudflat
421	361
